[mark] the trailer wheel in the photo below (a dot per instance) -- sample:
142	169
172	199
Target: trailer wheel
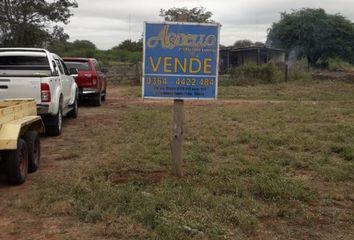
34	150
17	163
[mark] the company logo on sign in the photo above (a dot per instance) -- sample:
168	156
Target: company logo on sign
172	40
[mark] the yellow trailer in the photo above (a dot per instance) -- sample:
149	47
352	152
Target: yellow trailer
19	139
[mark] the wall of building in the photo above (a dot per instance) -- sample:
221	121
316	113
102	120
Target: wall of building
234	59
249	57
277	56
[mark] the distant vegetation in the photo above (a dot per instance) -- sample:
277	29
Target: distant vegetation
197	14
252	74
338	65
325	40
315	35
244	43
127	51
32	23
314	40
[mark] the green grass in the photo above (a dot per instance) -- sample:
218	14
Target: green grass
292	91
252	169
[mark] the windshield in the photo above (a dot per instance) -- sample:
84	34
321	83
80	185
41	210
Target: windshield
80	66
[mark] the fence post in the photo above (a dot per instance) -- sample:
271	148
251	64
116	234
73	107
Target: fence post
286	72
139	73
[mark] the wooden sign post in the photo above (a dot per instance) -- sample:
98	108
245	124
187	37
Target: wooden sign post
177	129
180	63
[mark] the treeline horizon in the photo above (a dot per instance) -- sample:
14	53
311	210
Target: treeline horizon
315	34
126	51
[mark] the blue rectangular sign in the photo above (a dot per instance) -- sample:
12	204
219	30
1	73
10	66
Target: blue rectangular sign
181	60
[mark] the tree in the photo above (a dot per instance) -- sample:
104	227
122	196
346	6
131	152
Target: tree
84	48
315	35
247	43
83	44
197	14
78	48
259	44
58	34
132	46
243	43
27	23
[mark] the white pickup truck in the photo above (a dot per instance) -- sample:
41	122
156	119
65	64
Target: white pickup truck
43	76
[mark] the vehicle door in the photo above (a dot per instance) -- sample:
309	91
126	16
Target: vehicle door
66	81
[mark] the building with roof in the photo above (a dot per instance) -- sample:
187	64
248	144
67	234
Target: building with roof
233	57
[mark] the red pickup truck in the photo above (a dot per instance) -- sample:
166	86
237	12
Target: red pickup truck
91	79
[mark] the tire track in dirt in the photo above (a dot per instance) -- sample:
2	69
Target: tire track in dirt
57	156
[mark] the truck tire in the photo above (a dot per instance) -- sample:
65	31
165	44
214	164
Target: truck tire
74	113
55	123
104	96
34	150
17	163
97	100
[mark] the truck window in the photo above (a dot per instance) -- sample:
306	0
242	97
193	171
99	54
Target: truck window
66	71
80	66
97	66
24	61
61	69
24	64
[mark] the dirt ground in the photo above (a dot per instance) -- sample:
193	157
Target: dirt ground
18	224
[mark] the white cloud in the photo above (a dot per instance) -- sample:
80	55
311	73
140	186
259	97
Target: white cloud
109	22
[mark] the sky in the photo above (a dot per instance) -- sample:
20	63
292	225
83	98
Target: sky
106	23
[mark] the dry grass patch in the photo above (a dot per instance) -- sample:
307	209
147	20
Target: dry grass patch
253	169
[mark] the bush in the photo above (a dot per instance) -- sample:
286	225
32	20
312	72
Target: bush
118	55
253	74
338	65
299	70
335	64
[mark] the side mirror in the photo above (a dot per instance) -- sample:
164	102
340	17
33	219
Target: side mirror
104	70
73	72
